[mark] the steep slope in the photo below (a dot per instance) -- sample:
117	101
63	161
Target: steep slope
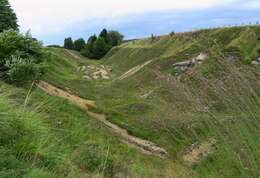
46	136
215	99
177	110
203	110
140	144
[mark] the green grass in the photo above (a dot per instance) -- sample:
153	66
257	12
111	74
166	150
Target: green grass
218	99
50	137
173	116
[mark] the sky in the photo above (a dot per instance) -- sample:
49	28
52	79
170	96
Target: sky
52	20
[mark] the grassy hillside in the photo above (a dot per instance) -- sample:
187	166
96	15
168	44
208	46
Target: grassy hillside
207	118
46	136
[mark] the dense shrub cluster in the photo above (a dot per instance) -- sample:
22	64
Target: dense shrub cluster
20	57
96	47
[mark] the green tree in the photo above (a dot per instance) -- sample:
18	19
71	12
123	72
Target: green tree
104	35
68	43
114	38
92	39
100	48
79	44
8	19
88	50
97	48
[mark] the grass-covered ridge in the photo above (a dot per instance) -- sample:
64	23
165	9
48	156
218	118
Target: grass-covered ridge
217	101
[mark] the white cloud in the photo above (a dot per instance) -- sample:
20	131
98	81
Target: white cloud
51	16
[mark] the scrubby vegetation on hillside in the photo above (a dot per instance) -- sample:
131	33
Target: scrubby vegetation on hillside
215	103
196	95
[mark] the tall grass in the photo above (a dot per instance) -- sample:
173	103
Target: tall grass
223	104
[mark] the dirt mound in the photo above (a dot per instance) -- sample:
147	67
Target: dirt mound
144	146
197	152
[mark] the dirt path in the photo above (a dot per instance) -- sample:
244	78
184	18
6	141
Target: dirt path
72	54
133	70
144	146
82	103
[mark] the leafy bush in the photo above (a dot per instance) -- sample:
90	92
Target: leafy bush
21	70
21	57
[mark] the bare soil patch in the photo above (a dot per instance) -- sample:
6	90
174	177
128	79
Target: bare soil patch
197	152
133	70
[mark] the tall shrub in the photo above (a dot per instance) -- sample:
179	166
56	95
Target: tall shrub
21	57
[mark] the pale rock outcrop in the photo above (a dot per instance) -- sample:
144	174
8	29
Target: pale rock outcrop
92	72
256	62
183	66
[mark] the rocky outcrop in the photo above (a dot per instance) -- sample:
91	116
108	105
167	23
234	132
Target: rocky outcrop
202	57
232	56
92	72
256	62
183	66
